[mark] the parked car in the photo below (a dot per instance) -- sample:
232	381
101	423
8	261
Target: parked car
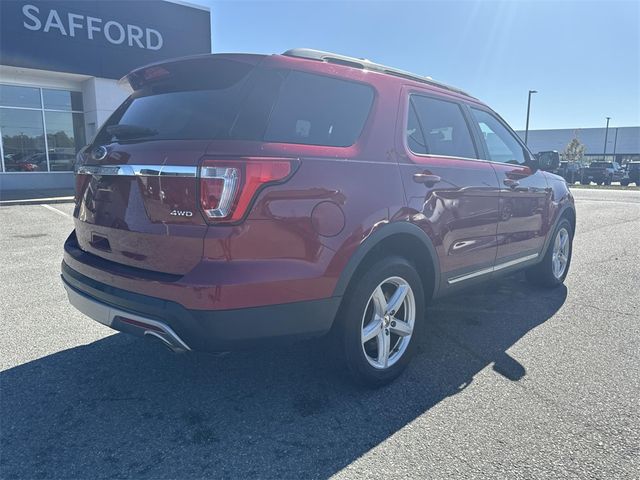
37	162
570	171
235	199
631	174
602	173
14	162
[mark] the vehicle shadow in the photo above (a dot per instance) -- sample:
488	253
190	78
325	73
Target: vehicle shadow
122	407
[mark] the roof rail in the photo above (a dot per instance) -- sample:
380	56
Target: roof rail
364	64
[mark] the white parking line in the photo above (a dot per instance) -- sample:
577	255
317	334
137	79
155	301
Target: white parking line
59	212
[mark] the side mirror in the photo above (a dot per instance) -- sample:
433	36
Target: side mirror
548	161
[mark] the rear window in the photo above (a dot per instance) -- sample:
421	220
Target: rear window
601	165
243	102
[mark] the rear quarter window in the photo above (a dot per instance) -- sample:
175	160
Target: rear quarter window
318	110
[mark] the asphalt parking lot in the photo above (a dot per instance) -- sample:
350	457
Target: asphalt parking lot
510	381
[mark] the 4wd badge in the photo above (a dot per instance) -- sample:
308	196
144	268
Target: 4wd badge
181	213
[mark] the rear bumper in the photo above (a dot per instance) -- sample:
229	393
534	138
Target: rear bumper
216	284
203	330
124	321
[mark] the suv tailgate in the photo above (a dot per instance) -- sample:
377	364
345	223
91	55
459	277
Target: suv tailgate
138	205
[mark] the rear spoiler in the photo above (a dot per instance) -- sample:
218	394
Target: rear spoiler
181	67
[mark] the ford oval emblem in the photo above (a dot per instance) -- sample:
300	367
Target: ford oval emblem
99	153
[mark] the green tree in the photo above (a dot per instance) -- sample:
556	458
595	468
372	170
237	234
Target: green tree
574	152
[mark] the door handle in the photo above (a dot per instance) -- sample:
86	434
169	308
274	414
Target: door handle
426	179
511	183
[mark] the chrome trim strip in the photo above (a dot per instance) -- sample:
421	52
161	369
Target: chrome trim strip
138	170
495	268
516	261
104	314
469	276
178	171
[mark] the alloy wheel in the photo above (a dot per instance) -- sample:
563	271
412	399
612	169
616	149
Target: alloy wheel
560	257
388	322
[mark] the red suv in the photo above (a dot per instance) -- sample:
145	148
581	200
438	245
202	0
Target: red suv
234	199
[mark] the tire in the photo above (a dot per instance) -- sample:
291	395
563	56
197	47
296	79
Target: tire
624	183
545	274
360	317
607	181
584	182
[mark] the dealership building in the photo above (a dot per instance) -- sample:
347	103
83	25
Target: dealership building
60	62
622	143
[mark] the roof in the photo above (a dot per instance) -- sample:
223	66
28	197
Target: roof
305	54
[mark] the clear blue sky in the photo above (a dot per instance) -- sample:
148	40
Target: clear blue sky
583	57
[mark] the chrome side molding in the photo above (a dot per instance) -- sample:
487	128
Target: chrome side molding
495	268
138	170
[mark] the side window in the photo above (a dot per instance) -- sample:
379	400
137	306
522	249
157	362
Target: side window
438	127
415	139
318	110
501	144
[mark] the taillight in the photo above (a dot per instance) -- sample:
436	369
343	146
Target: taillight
227	187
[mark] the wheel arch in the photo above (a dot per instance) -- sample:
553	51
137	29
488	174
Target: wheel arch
399	238
567	211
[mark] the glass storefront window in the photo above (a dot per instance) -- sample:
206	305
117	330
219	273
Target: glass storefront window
62	100
65	136
22	140
24	122
15	96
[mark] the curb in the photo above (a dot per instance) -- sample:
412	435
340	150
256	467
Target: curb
36	201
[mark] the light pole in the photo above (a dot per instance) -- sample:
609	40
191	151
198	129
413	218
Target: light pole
615	144
526	131
606	134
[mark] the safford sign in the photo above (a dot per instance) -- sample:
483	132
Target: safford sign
100	38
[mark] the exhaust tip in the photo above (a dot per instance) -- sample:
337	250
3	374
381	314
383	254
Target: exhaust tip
155	337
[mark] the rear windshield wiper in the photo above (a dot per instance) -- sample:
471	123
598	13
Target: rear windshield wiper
130	132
